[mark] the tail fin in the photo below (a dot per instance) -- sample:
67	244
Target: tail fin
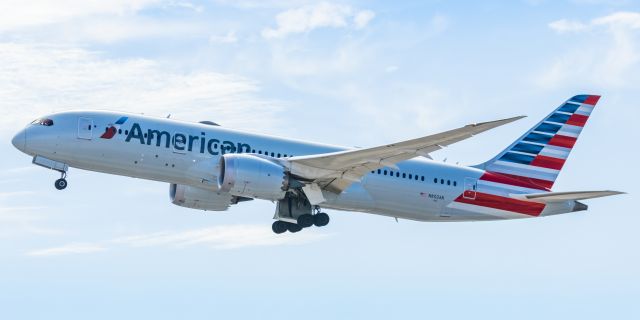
536	158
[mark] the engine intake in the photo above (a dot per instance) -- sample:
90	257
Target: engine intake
249	176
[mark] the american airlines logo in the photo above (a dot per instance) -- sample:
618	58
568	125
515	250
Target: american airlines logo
112	129
178	141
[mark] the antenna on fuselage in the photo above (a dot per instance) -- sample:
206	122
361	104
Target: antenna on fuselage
169	116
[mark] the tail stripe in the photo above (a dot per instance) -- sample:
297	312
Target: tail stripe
504	203
569	107
548	162
559	117
549	128
563	141
517	158
528	148
537	137
542	152
509	179
524	170
577	120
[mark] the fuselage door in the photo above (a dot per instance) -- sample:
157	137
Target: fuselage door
470	187
85	128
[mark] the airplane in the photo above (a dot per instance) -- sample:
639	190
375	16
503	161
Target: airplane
210	167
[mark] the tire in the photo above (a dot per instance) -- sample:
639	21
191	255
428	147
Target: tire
305	220
293	228
321	219
61	184
279	227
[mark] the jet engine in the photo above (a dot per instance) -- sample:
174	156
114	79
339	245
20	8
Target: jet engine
203	199
249	176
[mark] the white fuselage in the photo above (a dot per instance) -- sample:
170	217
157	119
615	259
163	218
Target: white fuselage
188	154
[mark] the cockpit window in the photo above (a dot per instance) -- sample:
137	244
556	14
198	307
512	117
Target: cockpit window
43	122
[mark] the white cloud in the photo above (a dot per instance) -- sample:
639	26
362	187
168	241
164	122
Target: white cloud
611	60
622	19
619	19
39	79
362	18
218	238
321	15
564	25
25	13
229	37
13	194
73	248
23	220
221	237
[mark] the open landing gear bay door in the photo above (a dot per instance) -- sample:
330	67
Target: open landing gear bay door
336	171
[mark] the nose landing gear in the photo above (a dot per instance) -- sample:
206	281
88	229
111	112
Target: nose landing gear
61	183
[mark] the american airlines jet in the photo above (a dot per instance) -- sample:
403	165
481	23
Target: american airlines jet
210	167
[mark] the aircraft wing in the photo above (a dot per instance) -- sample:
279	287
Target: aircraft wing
565	196
336	171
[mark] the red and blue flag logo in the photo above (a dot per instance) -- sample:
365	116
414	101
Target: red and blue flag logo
112	129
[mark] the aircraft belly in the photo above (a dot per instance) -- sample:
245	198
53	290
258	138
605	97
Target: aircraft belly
373	195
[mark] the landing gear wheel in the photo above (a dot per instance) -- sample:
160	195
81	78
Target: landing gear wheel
61	184
293	228
321	219
279	227
305	220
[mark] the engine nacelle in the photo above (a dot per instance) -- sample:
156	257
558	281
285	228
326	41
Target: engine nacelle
197	198
249	176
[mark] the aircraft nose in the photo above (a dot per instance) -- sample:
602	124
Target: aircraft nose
20	140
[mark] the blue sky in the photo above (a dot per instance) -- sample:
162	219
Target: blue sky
355	73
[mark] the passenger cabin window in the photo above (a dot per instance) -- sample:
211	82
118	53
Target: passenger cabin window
43	122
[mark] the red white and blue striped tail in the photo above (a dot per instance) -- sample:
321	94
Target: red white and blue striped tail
535	159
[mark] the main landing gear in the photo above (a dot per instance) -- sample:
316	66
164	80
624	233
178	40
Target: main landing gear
320	219
61	183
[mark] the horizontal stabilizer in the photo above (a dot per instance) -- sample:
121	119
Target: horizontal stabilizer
565	196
